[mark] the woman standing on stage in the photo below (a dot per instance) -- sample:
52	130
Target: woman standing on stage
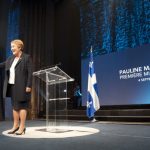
17	85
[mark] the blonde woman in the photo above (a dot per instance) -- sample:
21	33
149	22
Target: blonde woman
17	85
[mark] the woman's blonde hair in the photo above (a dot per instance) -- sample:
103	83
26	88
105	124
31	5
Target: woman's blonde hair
19	43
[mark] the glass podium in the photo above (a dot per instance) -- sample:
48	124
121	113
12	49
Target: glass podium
55	90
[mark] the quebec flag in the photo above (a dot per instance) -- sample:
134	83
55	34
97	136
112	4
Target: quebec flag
92	94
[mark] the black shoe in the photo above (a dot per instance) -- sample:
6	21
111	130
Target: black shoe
12	132
23	132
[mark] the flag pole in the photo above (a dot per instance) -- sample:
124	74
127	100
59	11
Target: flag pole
91	49
93	118
92	91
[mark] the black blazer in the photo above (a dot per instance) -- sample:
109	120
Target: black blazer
23	77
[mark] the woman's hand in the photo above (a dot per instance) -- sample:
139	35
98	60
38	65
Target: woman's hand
28	89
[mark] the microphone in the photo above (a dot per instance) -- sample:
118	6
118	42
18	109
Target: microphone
59	64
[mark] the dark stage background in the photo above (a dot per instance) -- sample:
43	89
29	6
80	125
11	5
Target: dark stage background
50	30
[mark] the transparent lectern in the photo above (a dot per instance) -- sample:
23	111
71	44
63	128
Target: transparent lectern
55	95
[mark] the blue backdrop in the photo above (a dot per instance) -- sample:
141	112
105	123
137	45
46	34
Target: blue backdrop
123	78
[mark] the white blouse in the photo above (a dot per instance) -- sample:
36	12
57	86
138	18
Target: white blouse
12	71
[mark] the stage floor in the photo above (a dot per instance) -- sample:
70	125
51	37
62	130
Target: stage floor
77	135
